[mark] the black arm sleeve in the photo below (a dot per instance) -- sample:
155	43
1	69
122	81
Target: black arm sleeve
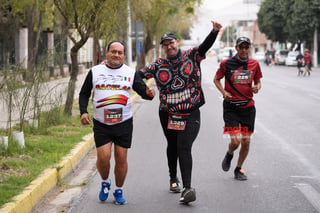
85	93
140	87
140	73
207	43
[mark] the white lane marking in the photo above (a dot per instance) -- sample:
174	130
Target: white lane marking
314	171
314	96
311	194
302	177
305	145
308	191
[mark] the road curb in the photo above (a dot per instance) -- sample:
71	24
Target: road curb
49	178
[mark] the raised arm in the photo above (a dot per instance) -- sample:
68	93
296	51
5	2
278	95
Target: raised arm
210	39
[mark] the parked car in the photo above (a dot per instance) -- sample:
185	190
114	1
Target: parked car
280	56
259	56
291	58
225	53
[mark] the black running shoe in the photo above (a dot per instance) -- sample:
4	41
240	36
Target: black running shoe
175	186
239	174
188	195
227	162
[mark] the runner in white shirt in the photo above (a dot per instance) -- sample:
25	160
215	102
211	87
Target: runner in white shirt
111	84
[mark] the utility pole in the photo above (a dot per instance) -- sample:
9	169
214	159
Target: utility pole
315	46
228	36
129	43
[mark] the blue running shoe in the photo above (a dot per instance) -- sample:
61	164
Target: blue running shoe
118	196
104	192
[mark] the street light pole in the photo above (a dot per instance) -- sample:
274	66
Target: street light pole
129	43
315	47
228	36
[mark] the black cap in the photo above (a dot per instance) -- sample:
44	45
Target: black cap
167	36
243	39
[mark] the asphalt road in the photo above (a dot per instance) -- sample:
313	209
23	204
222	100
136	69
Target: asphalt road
283	165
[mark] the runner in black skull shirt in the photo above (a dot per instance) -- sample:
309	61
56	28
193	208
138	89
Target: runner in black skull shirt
178	78
238	106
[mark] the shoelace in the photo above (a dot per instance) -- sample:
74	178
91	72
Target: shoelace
105	190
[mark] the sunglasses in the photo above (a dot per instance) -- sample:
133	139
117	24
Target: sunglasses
243	47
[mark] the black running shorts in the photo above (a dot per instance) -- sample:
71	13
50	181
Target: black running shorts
120	134
235	116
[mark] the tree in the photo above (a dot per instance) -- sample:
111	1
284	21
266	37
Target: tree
159	16
80	17
289	20
8	25
303	20
229	37
272	22
110	27
31	14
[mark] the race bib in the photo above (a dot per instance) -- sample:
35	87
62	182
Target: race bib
177	121
242	76
112	115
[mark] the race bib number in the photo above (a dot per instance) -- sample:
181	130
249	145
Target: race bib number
176	124
112	115
242	76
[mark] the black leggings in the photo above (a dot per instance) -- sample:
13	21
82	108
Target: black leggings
180	144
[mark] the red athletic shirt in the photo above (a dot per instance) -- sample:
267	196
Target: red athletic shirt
307	58
242	76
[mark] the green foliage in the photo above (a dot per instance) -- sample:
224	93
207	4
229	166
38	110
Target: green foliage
271	20
20	8
230	36
111	22
81	14
160	16
289	20
53	117
44	148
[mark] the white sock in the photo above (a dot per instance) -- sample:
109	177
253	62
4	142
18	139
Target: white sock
118	188
107	181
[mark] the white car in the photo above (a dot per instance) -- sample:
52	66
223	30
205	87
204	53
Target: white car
281	55
259	56
225	53
291	58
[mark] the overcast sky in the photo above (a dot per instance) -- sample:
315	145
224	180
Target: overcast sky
223	11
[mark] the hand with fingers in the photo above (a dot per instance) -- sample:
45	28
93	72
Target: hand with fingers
216	25
85	119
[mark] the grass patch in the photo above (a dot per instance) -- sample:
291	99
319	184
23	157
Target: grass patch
45	146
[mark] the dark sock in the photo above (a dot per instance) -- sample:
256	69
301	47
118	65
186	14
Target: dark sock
237	168
229	156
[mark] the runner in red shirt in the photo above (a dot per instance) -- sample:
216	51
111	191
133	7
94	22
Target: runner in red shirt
307	62
238	106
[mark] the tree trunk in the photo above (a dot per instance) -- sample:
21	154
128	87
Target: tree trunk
33	43
72	81
62	44
147	45
30	13
84	32
97	56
